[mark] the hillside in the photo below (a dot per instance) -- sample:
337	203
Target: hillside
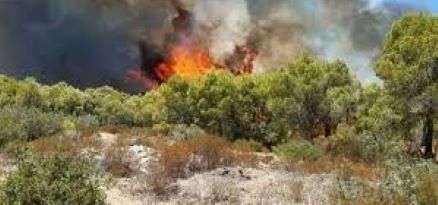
307	133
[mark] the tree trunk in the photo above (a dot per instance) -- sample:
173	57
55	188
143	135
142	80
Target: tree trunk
427	139
327	130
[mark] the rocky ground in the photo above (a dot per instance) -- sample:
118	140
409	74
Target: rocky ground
233	186
6	165
228	185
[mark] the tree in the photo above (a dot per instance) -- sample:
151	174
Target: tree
308	87
408	67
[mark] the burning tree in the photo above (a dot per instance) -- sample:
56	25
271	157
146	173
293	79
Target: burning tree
184	54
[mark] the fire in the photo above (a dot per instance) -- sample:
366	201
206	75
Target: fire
185	62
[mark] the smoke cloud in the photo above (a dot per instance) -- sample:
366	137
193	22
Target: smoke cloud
95	42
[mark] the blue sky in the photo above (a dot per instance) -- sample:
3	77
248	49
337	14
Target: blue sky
431	5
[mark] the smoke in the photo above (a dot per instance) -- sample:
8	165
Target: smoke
279	30
84	42
95	42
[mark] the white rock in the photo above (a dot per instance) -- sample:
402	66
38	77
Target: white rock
107	139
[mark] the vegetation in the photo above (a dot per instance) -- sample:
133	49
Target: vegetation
288	111
52	180
297	150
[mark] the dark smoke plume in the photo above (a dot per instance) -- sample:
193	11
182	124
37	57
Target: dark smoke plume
95	42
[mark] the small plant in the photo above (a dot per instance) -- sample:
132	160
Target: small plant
224	192
52	179
10	127
116	158
299	150
185	132
247	145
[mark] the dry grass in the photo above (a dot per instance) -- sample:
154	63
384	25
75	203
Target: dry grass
428	189
180	159
116	158
184	158
328	164
295	191
65	145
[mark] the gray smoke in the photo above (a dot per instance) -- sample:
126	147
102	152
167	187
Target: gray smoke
84	42
95	42
352	30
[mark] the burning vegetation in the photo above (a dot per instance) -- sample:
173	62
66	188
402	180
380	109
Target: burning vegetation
185	55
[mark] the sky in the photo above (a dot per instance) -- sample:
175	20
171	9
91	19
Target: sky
431	5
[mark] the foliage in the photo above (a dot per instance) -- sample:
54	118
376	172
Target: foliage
372	149
409	68
184	132
247	145
25	124
409	54
302	97
410	180
52	180
10	128
297	150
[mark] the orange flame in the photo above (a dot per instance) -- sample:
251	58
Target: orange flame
185	62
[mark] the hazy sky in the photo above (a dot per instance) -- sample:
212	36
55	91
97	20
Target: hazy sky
431	5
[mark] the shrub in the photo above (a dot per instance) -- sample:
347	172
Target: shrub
367	148
412	181
350	190
297	150
400	182
86	121
10	127
116	159
185	132
247	145
52	180
26	124
39	124
197	154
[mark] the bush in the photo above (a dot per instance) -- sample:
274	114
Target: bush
348	189
52	180
247	145
182	159
87	121
10	127
400	182
40	124
26	124
184	132
371	149
297	150
197	154
413	181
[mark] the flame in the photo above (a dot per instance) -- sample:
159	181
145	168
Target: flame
185	62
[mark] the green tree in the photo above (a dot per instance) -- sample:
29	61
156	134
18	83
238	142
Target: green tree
409	66
305	93
64	98
109	105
